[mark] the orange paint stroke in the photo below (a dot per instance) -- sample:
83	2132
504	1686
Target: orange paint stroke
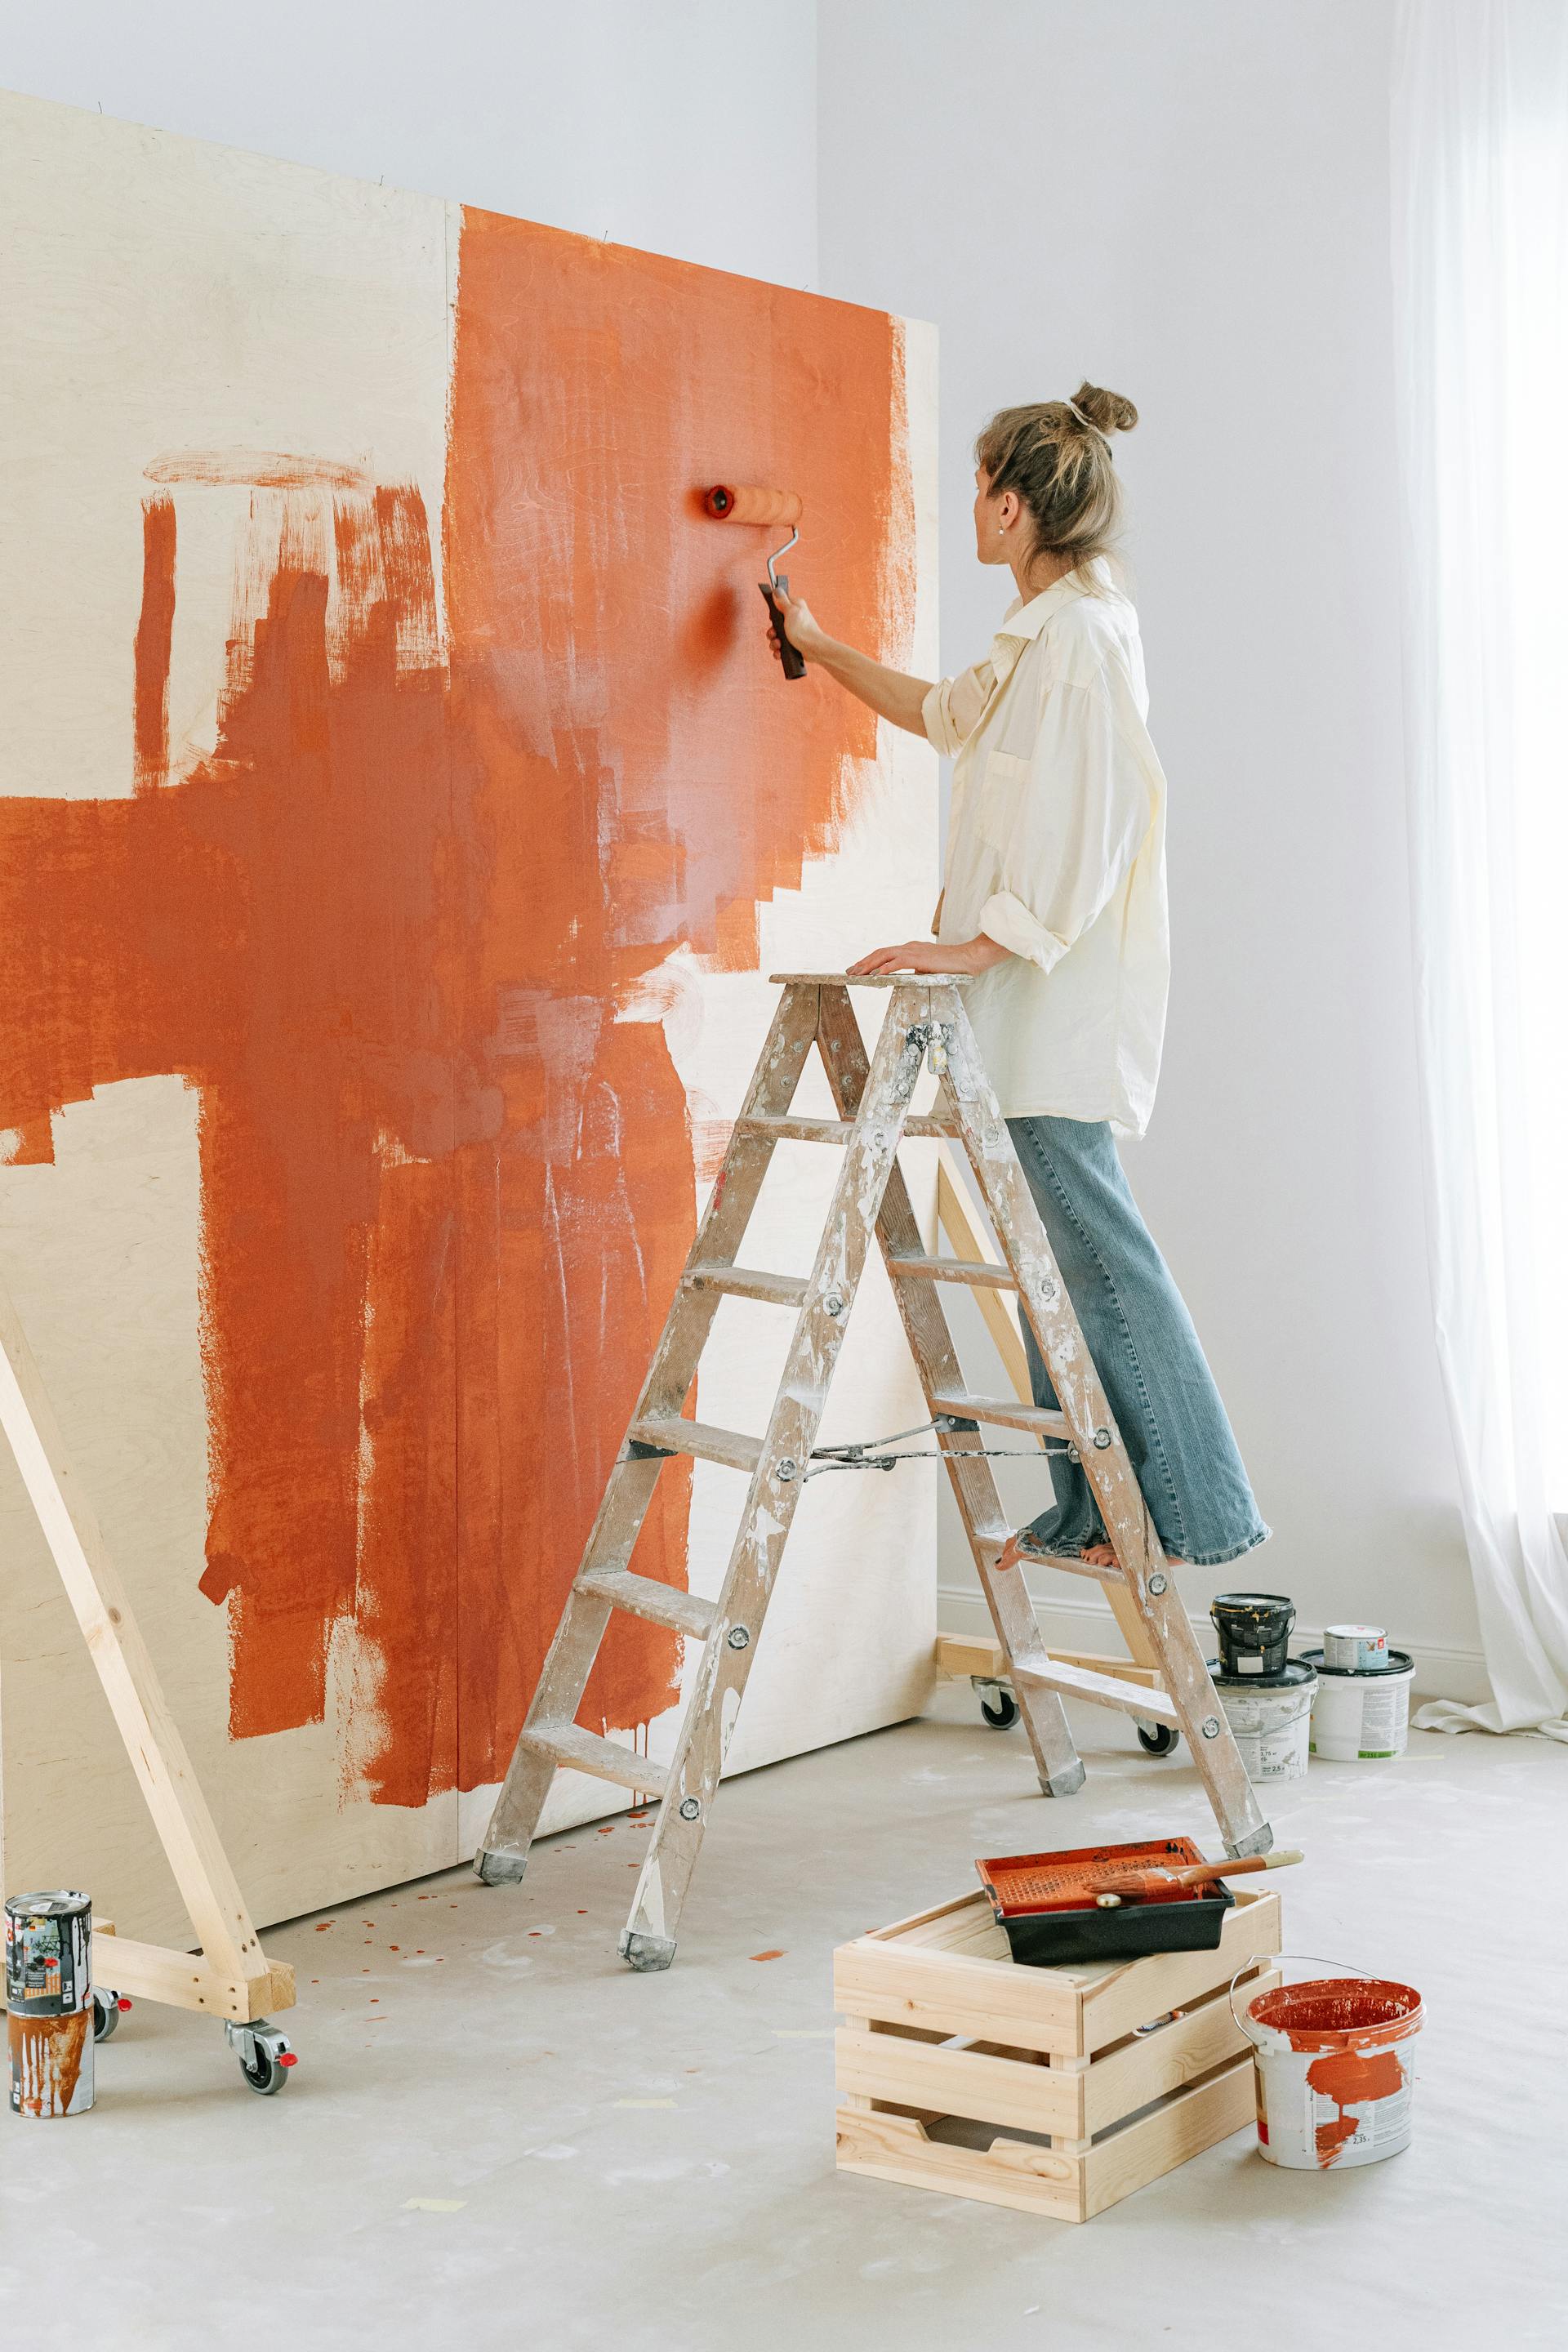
1352	2078
261	468
383	931
153	634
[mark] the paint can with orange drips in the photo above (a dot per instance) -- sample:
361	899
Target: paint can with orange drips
48	2002
1334	2061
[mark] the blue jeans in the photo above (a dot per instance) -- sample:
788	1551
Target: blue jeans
1145	1350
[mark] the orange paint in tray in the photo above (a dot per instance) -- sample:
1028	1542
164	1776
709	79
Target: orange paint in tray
1046	1903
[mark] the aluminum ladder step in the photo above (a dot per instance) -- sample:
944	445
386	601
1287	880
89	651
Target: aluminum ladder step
1105	1690
584	1751
1008	1413
672	1434
645	1596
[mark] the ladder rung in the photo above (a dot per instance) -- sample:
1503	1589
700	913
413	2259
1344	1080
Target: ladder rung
1007	1411
750	1282
785	1129
644	1596
976	1272
676	1434
584	1751
1105	1690
1107	1574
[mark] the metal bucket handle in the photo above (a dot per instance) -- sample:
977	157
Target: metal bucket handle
1340	1968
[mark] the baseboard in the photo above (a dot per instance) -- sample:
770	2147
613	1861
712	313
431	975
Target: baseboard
1088	1625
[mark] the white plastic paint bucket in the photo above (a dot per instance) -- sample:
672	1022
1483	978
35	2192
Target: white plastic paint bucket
1355	1645
1335	2068
1361	1714
1270	1721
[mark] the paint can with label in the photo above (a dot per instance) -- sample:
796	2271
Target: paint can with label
1254	1631
1355	1645
48	2002
1334	2066
1269	1716
1361	1714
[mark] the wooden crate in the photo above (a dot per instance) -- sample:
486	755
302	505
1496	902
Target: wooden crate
962	2072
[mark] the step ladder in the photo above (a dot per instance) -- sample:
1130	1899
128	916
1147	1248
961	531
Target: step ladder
925	1021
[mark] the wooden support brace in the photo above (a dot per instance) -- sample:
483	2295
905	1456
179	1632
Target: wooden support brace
231	1975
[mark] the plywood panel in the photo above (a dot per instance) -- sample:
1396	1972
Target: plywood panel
399	812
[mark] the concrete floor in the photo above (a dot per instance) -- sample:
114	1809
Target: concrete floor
498	2137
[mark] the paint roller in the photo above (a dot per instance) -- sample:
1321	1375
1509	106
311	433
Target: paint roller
728	502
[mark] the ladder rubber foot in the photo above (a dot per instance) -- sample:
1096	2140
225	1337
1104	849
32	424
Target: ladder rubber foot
499	1869
1066	1784
1258	1841
647	1954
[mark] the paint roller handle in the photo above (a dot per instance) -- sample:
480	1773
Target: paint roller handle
794	660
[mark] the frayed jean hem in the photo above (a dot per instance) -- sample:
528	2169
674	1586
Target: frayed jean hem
1219	1558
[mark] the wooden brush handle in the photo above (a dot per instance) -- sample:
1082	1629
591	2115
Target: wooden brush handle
1194	1873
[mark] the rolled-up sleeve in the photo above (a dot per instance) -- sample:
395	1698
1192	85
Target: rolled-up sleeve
1069	830
951	708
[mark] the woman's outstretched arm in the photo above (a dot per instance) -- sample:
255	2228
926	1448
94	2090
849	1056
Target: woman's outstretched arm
889	692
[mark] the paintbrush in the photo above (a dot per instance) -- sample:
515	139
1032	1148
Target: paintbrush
1109	1892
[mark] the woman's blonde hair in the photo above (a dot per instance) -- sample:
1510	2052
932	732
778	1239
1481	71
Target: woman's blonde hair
1055	455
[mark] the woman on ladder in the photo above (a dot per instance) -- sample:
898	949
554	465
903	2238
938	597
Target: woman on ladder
1054	898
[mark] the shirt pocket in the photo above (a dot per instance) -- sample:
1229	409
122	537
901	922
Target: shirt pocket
1000	797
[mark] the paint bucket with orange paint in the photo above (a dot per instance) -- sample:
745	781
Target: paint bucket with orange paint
1335	2068
48	2002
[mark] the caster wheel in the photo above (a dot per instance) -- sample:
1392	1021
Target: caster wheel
264	2073
1156	1738
1002	1715
265	2058
107	2008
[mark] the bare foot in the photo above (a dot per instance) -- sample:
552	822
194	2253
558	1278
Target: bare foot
1102	1556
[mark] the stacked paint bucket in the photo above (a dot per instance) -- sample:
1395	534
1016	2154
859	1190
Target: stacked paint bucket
1266	1693
1362	1712
48	2002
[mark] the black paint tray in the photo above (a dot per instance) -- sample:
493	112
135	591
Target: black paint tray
1044	1904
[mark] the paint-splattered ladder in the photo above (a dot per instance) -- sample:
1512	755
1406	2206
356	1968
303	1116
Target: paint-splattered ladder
925	1020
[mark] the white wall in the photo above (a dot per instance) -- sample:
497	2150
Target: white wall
1190	204
612	117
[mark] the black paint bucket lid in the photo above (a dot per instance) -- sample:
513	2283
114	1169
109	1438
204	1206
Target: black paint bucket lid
1294	1674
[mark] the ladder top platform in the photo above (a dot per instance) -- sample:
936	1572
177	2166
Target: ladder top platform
874	978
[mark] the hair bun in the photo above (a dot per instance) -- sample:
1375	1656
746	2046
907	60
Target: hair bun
1107	410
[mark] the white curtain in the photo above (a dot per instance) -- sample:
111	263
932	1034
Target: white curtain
1480	264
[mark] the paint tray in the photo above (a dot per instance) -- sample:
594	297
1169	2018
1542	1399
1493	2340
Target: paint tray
1046	1909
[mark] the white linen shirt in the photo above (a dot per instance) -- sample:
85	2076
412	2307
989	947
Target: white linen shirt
1057	851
